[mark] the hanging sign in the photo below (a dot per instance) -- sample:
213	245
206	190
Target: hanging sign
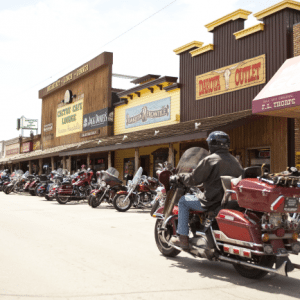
69	118
238	76
152	112
12	149
26	147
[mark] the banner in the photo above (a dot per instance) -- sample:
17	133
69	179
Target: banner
238	76
153	112
69	118
97	119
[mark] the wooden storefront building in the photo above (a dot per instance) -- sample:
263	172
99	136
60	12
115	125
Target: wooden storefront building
224	77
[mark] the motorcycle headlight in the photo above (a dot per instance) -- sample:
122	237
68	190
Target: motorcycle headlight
103	183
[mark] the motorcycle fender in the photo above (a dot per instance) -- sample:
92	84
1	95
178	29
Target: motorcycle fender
161	210
122	193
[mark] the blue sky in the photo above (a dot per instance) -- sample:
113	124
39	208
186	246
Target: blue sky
42	40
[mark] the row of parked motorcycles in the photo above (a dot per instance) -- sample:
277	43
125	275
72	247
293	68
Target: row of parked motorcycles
255	228
104	186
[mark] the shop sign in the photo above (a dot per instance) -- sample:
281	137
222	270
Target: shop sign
98	119
48	127
90	133
29	124
12	149
231	78
26	147
69	118
149	113
36	145
282	93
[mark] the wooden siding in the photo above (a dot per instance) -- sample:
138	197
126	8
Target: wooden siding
96	87
146	97
263	132
276	41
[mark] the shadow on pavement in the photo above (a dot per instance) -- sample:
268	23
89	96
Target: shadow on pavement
272	283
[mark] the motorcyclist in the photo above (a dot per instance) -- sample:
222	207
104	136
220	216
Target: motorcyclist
208	172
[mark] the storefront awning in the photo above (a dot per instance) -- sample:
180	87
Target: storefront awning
186	131
41	153
281	95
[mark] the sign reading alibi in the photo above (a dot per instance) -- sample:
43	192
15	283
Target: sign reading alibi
153	112
69	118
238	76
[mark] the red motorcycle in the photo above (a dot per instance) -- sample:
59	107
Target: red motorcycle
107	187
75	189
252	229
140	192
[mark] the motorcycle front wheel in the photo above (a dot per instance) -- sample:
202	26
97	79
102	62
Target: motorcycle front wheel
248	272
121	205
61	200
8	189
94	201
162	246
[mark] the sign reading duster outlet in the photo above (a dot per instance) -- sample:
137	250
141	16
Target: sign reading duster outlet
69	118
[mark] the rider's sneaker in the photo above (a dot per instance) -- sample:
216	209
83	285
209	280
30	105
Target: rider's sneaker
181	241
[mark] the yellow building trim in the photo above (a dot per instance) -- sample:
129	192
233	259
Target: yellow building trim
188	47
277	7
204	49
245	32
238	14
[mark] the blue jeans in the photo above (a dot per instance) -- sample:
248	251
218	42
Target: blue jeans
187	203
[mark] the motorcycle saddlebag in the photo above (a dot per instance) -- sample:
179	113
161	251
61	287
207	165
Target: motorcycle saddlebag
238	226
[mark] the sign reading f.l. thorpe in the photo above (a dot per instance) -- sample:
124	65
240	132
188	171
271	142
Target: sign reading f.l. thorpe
153	112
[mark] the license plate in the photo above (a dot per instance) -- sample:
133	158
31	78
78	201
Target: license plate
291	204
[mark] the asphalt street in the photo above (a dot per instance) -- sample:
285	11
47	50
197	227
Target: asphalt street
53	251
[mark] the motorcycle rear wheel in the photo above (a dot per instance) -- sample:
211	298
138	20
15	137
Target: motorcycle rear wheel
61	200
251	273
163	247
119	205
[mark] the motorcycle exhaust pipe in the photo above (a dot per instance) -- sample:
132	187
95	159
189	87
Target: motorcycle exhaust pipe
280	271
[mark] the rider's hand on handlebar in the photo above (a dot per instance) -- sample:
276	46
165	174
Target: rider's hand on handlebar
174	179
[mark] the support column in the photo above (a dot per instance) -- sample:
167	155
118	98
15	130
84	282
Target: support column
88	161
30	167
19	166
171	154
52	163
109	159
11	168
69	163
64	162
136	159
40	166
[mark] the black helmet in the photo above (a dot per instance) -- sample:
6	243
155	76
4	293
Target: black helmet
218	140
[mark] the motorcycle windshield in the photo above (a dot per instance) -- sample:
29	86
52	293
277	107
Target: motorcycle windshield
19	173
137	177
190	159
112	171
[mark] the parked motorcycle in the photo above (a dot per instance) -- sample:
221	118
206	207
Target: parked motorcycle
44	185
34	185
108	184
58	177
5	178
140	192
252	230
76	188
16	184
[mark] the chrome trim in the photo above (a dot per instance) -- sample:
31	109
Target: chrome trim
276	201
267	181
287	236
246	249
279	271
159	216
167	220
213	235
224	238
